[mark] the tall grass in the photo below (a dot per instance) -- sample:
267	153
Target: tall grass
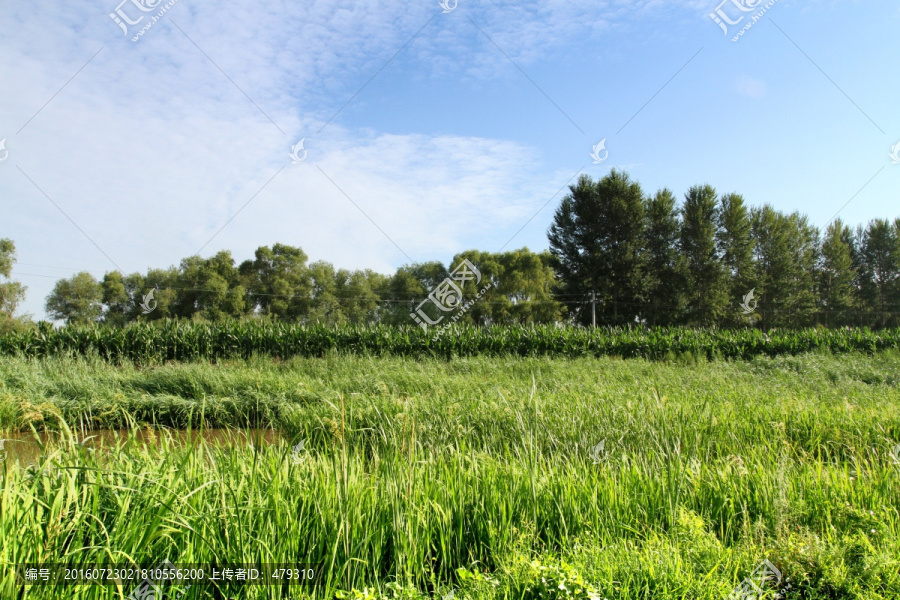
477	475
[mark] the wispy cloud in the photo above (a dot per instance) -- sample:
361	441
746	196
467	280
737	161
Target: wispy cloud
155	144
750	87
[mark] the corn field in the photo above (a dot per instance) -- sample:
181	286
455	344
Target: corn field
173	340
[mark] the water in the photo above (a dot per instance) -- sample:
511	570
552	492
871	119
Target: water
23	448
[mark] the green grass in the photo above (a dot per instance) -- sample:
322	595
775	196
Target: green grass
475	474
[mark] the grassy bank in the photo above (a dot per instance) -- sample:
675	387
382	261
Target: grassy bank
479	475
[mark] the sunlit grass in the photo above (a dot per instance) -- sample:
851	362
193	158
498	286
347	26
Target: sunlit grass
477	475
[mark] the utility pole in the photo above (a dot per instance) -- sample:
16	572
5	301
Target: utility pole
594	308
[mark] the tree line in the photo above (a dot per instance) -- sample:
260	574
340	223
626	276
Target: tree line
649	258
280	284
616	256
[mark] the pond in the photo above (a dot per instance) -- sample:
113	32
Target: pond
25	448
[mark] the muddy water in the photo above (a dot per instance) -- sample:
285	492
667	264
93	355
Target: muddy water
23	448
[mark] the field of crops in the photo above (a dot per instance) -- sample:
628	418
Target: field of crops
482	476
172	340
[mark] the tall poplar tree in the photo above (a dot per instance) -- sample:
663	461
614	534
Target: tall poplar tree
736	249
597	240
707	293
786	257
664	285
880	276
837	291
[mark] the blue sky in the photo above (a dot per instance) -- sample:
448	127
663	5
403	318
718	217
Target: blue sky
450	131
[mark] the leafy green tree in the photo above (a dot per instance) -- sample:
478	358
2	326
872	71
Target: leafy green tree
567	246
76	300
880	274
357	296
429	276
165	286
11	292
786	257
400	293
517	288
664	284
805	249
325	306
377	282
527	283
210	288
735	246
278	282
189	296
493	306
596	240
403	292
837	277
116	299
773	261
705	275
124	296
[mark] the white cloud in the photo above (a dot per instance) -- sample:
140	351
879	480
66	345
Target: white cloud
150	149
750	87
